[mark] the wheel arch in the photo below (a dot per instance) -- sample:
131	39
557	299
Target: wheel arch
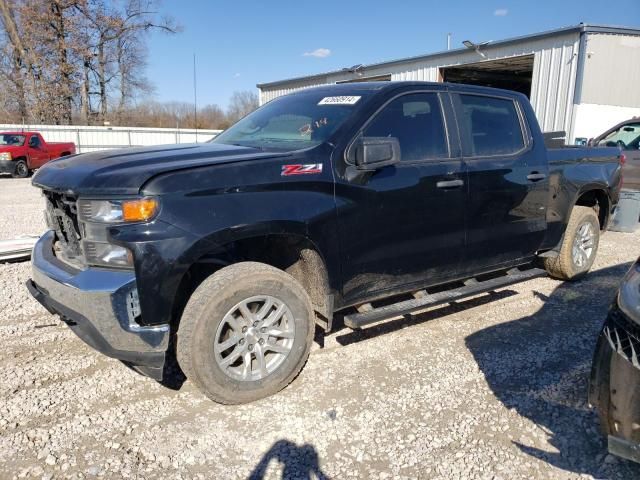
598	199
595	196
25	159
288	250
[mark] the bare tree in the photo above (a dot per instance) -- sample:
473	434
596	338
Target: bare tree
212	116
85	60
117	44
20	58
174	114
61	23
59	57
240	104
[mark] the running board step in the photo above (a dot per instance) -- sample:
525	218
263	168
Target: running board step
420	302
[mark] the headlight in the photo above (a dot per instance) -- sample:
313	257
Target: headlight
106	254
118	211
629	294
95	216
5	156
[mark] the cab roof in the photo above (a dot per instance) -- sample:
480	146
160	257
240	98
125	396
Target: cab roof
353	88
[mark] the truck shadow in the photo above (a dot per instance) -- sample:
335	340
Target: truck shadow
539	366
298	462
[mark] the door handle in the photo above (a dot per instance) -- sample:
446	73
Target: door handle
536	176
450	183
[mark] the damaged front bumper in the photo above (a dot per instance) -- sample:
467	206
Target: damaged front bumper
99	305
615	384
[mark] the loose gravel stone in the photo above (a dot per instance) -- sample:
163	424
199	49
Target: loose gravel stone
492	387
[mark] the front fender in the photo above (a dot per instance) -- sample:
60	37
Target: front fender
189	229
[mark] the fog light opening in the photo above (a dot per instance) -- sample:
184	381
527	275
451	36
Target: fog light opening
133	307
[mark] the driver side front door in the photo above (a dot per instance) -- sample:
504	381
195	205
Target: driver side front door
38	155
403	226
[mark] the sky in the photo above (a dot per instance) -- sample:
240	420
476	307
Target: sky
239	43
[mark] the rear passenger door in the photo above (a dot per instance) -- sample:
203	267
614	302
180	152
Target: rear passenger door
403	225
508	182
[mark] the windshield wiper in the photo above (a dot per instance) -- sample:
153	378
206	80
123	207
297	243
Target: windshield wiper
247	146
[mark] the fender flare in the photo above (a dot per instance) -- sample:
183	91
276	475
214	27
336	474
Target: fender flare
217	241
585	189
594	187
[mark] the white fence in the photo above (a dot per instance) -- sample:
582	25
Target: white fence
89	139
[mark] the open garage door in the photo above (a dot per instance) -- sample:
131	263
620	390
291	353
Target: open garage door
513	73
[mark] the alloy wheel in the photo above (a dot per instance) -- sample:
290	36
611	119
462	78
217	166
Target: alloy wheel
254	338
583	244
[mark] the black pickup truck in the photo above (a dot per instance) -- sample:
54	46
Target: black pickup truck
370	200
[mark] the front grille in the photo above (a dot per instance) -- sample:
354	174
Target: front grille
62	217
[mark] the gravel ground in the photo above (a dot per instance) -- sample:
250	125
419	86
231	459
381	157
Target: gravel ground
492	387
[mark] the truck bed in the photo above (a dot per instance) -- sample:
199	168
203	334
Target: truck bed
578	154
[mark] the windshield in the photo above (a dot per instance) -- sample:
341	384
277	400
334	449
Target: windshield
626	137
292	122
11	139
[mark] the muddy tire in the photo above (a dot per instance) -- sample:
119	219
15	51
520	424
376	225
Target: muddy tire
21	170
245	333
579	246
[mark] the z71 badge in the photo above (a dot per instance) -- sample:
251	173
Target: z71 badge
307	169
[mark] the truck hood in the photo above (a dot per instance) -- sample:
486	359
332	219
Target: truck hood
12	149
125	171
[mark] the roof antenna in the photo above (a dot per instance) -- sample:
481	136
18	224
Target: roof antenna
195	98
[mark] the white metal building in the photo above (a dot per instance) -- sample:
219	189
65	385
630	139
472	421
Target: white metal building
581	79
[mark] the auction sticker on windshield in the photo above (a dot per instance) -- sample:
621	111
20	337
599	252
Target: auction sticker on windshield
344	100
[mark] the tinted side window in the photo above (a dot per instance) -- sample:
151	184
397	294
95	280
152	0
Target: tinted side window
416	121
491	126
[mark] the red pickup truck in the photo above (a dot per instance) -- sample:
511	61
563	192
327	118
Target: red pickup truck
23	152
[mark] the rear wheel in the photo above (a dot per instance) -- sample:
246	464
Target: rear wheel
245	333
21	170
579	246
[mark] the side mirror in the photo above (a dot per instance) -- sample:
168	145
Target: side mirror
372	153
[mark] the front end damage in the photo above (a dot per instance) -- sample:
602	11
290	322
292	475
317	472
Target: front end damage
98	300
99	306
615	383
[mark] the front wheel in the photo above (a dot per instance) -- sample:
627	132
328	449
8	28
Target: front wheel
21	170
579	246
245	333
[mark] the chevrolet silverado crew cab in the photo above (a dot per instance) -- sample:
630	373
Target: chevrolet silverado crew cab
368	200
23	152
